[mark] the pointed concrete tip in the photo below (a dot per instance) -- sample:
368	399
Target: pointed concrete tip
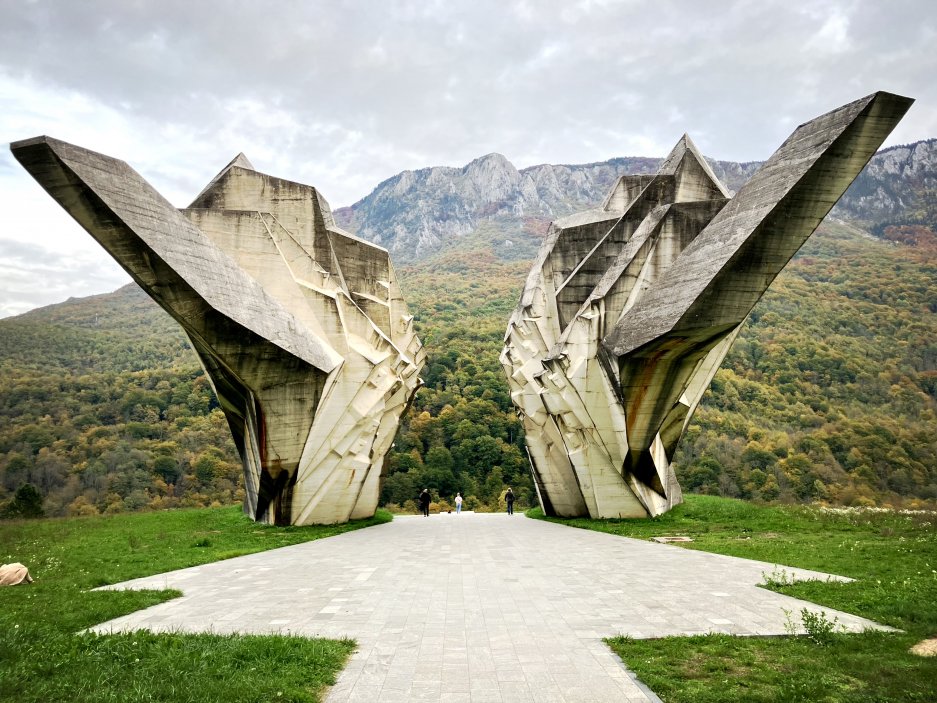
684	143
242	161
691	146
239	161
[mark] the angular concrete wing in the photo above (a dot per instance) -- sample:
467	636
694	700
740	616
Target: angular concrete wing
630	309
301	327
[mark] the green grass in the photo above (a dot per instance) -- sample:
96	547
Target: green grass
892	556
42	658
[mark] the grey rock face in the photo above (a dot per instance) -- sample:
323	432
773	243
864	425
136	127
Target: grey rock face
416	212
897	187
630	308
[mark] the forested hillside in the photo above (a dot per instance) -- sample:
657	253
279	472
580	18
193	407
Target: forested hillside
829	394
103	407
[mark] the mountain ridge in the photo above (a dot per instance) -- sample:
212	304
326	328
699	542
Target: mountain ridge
419	211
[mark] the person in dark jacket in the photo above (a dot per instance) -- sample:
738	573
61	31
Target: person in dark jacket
509	497
424	502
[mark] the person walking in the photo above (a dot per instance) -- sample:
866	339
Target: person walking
458	503
509	497
424	502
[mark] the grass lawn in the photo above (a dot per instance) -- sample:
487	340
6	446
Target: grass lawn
892	556
42	659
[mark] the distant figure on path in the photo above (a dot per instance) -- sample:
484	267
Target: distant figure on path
509	497
458	503
424	502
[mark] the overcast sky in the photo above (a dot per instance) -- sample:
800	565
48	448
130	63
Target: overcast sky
342	95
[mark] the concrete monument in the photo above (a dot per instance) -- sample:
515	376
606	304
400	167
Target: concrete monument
301	327
631	307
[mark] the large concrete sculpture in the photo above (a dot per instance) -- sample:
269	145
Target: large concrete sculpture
300	326
630	308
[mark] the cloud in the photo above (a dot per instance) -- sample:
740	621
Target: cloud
32	275
343	95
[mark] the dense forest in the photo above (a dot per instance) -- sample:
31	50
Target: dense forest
829	394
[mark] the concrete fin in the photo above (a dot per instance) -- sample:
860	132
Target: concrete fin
653	304
625	190
238	274
135	224
722	274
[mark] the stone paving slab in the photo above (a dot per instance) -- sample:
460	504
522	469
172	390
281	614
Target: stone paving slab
478	607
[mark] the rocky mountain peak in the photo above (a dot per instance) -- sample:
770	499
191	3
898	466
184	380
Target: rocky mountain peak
896	187
916	159
492	177
494	160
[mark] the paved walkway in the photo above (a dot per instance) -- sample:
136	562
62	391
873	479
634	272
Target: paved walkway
477	607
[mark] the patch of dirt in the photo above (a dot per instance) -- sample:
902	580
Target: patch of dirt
925	648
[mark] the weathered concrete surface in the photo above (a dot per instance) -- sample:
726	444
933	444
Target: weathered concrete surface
477	607
300	326
630	308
